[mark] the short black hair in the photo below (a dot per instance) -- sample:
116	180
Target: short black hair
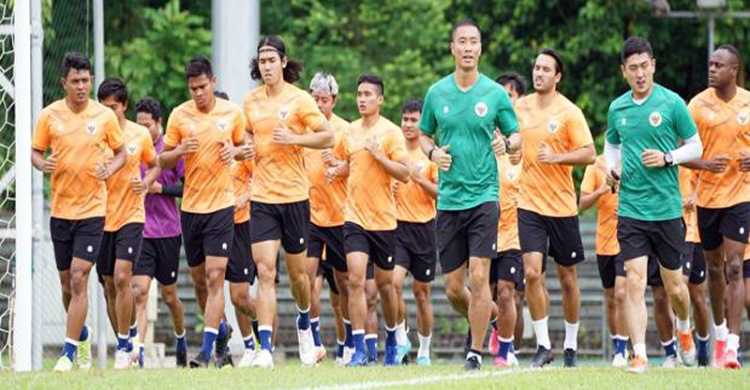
149	105
221	95
197	66
75	60
514	79
412	105
465	22
370	78
293	68
113	86
558	60
732	50
633	46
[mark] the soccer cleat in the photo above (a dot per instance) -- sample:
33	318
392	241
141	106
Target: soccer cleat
570	357
472	364
307	353
494	343
348	353
263	359
686	348
424	361
222	355
730	360
247	358
501	362
320	354
620	361
359	359
720	353
703	360
512	359
391	356
83	355
181	358
141	358
224	360
639	365
542	358
671	361
403	352
64	364
200	361
122	359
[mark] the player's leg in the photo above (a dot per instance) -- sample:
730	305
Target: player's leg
177	314
402	340
664	319
357	275
637	317
244	309
315	271
127	248
371	325
80	270
338	320
734	255
621	337
697	288
709	225
342	284
746	274
571	295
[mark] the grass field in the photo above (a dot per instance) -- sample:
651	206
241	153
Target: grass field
329	377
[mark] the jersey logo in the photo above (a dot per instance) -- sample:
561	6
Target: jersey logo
91	128
284	113
132	148
480	109
222	125
742	118
655	119
553	127
445	109
511	174
623	121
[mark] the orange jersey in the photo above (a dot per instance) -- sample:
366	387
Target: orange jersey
606	219
724	129
507	228
280	173
80	142
370	202
242	172
687	186
547	189
208	181
413	203
123	205
326	199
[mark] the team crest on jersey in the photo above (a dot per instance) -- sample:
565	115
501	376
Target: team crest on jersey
222	125
91	128
553	127
742	118
284	113
446	109
132	148
623	121
655	119
511	174
480	109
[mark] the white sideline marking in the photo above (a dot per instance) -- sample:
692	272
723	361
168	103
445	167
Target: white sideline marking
422	380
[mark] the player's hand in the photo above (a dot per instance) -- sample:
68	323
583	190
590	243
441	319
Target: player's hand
394	187
689	202
328	157
189	145
155	188
516	156
50	163
102	171
719	164
245	151
226	153
604	188
744	161
139	186
545	154
613	179
373	146
498	144
652	158
283	135
442	158
239	202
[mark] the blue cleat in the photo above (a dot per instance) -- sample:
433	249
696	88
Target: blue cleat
391	356
359	359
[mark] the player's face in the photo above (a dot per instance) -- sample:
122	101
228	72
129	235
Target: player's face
410	124
512	93
202	90
722	70
467	47
325	101
545	74
271	65
369	99
77	85
119	108
146	120
639	70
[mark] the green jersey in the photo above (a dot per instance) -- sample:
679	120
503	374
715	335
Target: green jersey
466	120
649	194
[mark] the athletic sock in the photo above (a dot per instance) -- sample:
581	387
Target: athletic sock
303	318
314	324
371	341
683	326
254	324
571	336
180	341
621	344
265	337
401	337
209	337
474	353
702	345
733	342
424	346
133	331
249	342
721	331
69	349
542	333
339	348
493	322
222	331
359	341
640	350
505	346
390	337
348	338
670	347
123	340
84	333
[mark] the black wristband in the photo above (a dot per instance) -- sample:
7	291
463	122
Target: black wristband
429	154
507	145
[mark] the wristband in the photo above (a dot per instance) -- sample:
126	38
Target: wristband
429	154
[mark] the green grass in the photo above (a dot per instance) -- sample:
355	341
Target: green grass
327	376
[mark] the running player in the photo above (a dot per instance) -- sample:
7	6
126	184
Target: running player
279	116
723	119
162	237
556	137
375	149
460	117
78	131
204	131
643	129
416	250
125	216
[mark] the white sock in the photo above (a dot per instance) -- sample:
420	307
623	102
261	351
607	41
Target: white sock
640	350
733	342
721	331
542	333
683	326
571	336
401	338
424	346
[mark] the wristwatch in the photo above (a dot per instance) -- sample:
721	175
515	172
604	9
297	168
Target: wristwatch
668	159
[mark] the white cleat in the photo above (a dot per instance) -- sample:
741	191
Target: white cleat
512	359
63	364
307	352
247	358
122	359
83	355
672	361
348	353
263	359
320	354
620	361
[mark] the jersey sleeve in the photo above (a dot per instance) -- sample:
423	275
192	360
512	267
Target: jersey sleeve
238	132
579	132
433	172
113	132
395	146
173	136
309	114
42	137
246	111
589	185
428	121
339	149
505	118
613	135
148	153
685	124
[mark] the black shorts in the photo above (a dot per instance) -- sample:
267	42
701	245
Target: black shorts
507	266
731	222
207	235
370	271
416	249
695	263
664	239
610	267
81	238
332	239
160	259
746	269
241	267
654	274
325	269
560	237
521	284
288	222
379	245
123	244
467	233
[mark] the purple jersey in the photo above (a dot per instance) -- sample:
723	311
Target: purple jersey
162	216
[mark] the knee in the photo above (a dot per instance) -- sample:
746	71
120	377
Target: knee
372	299
505	295
479	276
398	288
298	276
215	277
568	280
140	294
122	280
170	298
734	270
422	296
455	292
78	281
266	274
533	275
621	294
238	298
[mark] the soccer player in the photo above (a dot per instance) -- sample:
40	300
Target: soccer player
204	132
723	189
78	131
125	216
375	150
556	137
416	248
283	120
596	191
162	237
643	129
460	117
327	197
